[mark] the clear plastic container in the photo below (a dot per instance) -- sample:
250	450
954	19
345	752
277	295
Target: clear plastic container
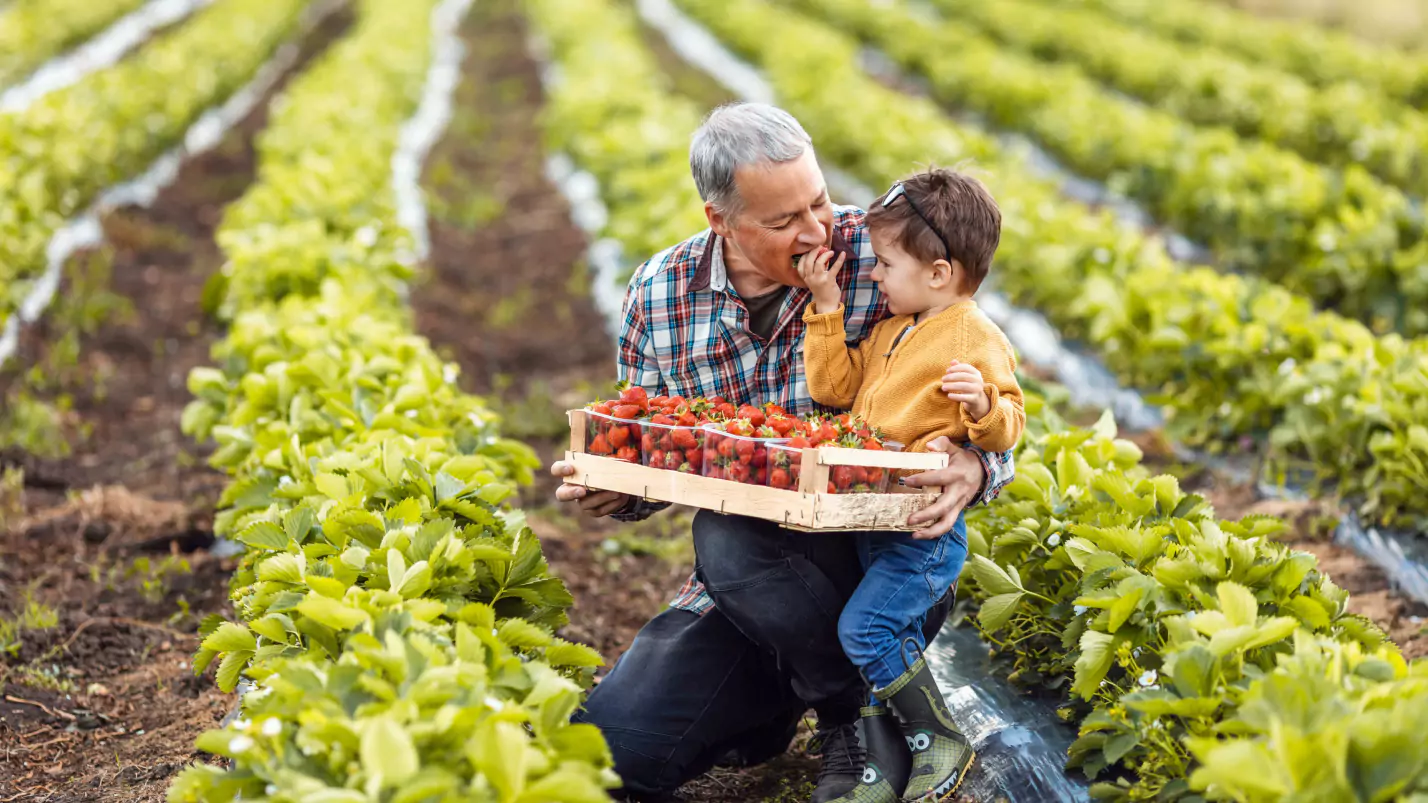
736	457
785	467
674	448
608	436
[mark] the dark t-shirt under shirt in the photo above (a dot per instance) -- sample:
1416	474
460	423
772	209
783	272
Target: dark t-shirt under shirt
763	311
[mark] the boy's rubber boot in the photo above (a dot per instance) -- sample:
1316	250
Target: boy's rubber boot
889	760
941	755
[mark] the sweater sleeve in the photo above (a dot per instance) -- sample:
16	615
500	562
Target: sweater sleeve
834	371
1001	428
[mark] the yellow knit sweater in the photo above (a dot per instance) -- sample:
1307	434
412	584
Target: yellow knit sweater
898	388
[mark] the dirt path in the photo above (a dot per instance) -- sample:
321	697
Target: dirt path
102	706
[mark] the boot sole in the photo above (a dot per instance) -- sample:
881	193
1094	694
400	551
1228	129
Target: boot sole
947	790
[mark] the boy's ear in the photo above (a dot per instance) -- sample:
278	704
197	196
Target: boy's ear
946	274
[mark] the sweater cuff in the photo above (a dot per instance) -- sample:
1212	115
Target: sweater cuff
992	420
823	323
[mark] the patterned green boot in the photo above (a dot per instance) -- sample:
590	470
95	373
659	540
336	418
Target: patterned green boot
940	755
889	761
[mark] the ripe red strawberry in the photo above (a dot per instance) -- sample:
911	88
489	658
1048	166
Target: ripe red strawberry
618	437
726	447
627	454
656	458
635	395
771	410
779	478
798	442
781	426
663	418
842	476
603	408
754	415
599	445
684	439
628	412
695	458
745	450
739	472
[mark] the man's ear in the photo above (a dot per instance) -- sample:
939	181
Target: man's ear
718	221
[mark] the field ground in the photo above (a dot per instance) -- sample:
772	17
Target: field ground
115	537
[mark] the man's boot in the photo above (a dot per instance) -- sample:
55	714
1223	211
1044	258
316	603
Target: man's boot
941	755
842	761
889	760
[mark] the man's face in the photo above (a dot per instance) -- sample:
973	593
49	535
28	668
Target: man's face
786	213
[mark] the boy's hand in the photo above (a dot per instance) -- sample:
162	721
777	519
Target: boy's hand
963	383
821	279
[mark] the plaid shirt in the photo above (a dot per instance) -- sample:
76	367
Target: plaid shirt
686	332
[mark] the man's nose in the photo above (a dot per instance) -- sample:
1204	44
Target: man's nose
813	232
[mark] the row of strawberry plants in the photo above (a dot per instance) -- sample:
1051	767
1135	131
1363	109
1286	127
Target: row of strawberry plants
1316	54
62	151
608	107
1154	619
35	31
1229	357
1342	124
1343	239
396	619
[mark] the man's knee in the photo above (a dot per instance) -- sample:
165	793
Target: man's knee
735	551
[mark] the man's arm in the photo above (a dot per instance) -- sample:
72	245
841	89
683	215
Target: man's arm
973	475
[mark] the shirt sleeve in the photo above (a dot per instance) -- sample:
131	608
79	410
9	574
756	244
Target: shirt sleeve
833	369
636	360
1000	468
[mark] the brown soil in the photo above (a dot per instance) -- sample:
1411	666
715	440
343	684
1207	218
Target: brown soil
103	706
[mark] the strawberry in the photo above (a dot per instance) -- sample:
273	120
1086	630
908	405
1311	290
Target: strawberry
664	418
781	426
656	458
635	395
771	410
627	454
684	439
629	412
843	476
752	413
675	402
688	419
618	437
745	450
739	472
872	444
603	408
694	458
726	447
739	427
779	478
600	446
798	442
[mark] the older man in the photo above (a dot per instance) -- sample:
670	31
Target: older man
750	643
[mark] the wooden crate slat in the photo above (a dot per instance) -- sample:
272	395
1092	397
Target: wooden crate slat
922	461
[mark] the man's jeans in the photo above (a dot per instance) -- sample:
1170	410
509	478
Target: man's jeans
691	688
881	626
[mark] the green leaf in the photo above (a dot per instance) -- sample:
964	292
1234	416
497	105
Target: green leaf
281	567
522	634
498	750
1237	603
992	578
415	581
264	535
565	653
997	610
1192	670
1097	655
330	612
388	752
231	668
298	522
230	637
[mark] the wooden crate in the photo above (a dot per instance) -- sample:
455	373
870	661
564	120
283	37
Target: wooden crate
809	508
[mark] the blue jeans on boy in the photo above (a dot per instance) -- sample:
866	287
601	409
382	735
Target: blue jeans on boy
903	579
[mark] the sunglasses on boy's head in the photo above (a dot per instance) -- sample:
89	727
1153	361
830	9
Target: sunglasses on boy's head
897	192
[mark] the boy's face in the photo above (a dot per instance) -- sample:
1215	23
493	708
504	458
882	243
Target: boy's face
903	279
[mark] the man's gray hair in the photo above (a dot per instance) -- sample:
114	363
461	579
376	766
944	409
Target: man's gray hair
740	135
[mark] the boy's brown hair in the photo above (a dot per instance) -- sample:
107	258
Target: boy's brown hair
955	206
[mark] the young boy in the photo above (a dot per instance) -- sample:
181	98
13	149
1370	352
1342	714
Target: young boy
934	235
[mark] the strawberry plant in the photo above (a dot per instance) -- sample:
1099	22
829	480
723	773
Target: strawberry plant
396	617
35	31
62	151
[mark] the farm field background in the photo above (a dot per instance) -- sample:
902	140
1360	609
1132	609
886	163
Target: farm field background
294	295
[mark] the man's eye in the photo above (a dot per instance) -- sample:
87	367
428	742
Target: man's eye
784	225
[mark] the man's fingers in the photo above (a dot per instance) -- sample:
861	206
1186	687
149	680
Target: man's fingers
560	468
570	493
601	503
